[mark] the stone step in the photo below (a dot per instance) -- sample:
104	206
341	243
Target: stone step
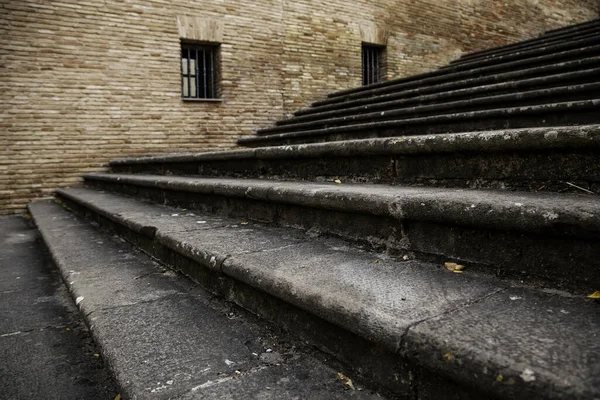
432	86
527	52
443	76
527	44
576	27
166	338
532	41
418	325
543	236
440	96
551	115
531	58
542	92
547	159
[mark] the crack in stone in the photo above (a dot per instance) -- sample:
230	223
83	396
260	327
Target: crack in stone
401	341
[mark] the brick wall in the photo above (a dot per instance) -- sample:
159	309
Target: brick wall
82	82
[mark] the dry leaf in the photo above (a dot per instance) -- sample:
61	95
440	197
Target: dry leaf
595	295
97	355
347	381
118	397
243	223
337	181
454	267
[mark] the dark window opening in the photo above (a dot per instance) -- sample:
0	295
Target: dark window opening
199	68
372	64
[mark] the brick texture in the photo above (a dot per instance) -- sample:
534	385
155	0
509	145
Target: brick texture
82	82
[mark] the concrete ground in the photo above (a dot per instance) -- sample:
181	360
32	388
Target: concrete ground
46	351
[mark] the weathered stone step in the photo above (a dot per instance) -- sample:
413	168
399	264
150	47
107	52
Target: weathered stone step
575	27
410	310
547	159
557	114
527	45
431	86
181	343
528	52
545	83
443	76
540	235
543	92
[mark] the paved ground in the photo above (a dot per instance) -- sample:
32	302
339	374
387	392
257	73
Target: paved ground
46	351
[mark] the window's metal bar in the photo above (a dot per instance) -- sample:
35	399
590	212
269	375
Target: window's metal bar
377	65
212	73
188	73
373	60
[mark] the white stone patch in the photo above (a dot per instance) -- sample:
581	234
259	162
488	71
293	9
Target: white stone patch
211	383
200	222
527	375
78	300
515	298
229	362
551	215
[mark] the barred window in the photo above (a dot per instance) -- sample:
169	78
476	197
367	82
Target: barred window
372	64
199	71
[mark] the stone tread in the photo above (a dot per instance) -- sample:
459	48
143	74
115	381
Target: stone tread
180	344
508	112
416	309
399	110
522	211
433	85
451	75
487	93
576	137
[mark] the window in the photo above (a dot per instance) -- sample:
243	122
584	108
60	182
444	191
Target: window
199	68
372	65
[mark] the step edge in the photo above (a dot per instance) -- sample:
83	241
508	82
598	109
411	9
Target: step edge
481	141
525	214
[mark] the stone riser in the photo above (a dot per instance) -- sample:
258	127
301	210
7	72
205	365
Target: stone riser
569	261
483	101
580	51
563	115
523	171
540	41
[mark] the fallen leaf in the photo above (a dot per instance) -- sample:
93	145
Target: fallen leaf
337	181
378	260
118	397
448	356
499	378
68	329
243	223
96	355
347	381
595	295
454	267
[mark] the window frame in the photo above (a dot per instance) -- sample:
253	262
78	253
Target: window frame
205	74
372	63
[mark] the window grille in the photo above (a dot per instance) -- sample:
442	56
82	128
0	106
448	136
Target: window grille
198	71
371	64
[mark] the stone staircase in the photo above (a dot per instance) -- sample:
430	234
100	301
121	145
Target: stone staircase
437	235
